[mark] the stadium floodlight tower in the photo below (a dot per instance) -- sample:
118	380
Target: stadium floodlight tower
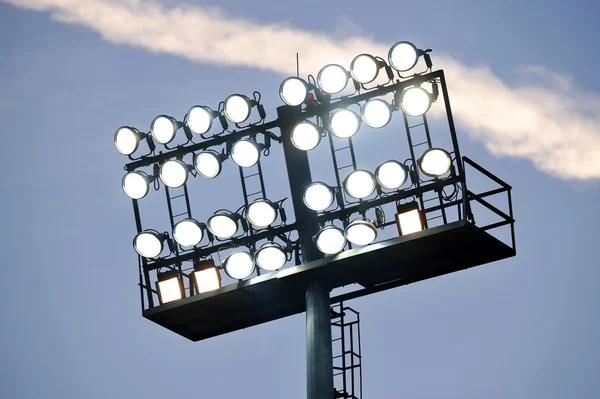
247	266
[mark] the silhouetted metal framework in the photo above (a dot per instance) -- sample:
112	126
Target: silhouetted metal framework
347	356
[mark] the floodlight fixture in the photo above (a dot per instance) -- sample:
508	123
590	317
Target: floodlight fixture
409	218
188	232
360	184
361	231
163	129
391	175
365	68
261	213
270	256
318	196
223	224
333	78
127	139
199	119
149	243
435	162
344	123
239	265
246	152
136	184
306	136
206	276
208	164
415	101
293	91
169	286
376	113
173	173
330	240
403	56
237	107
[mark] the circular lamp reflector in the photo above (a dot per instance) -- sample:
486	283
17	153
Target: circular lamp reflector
403	56
415	101
344	123
135	184
261	213
330	240
127	140
173	173
163	129
318	196
435	162
148	244
270	256
361	232
223	224
245	153
188	233
364	68
305	136
391	175
377	113
293	91
199	119
332	78
208	164
239	265
237	108
360	184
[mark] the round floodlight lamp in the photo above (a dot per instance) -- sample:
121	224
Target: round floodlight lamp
223	224
261	213
163	129
173	173
361	232
293	91
237	108
403	56
318	196
188	233
391	175
415	101
270	256
364	68
330	240
148	244
239	265
435	162
199	119
136	184
344	123
305	136
208	164
359	184
127	140
332	78
377	113
245	153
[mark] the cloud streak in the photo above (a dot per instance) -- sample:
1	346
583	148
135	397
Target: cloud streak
551	122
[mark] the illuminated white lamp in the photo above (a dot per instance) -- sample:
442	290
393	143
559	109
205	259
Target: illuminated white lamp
206	276
169	286
293	91
163	129
261	213
148	244
270	256
127	139
136	184
435	162
173	173
344	123
237	108
403	56
223	224
330	240
361	231
245	153
364	68
208	164
188	232
409	219
391	175
199	119
332	78
318	196
415	101
377	113
239	265
360	184
305	136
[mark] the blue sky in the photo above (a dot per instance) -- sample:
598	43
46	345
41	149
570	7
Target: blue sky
72	72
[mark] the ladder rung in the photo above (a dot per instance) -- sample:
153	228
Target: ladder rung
336	374
177	196
345	167
258	192
416	145
336	339
180	214
430	199
340	149
417	125
252	175
435	217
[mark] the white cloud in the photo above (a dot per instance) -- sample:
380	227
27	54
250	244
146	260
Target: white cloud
549	122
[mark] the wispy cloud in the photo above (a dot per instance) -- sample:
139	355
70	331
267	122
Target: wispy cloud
550	121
